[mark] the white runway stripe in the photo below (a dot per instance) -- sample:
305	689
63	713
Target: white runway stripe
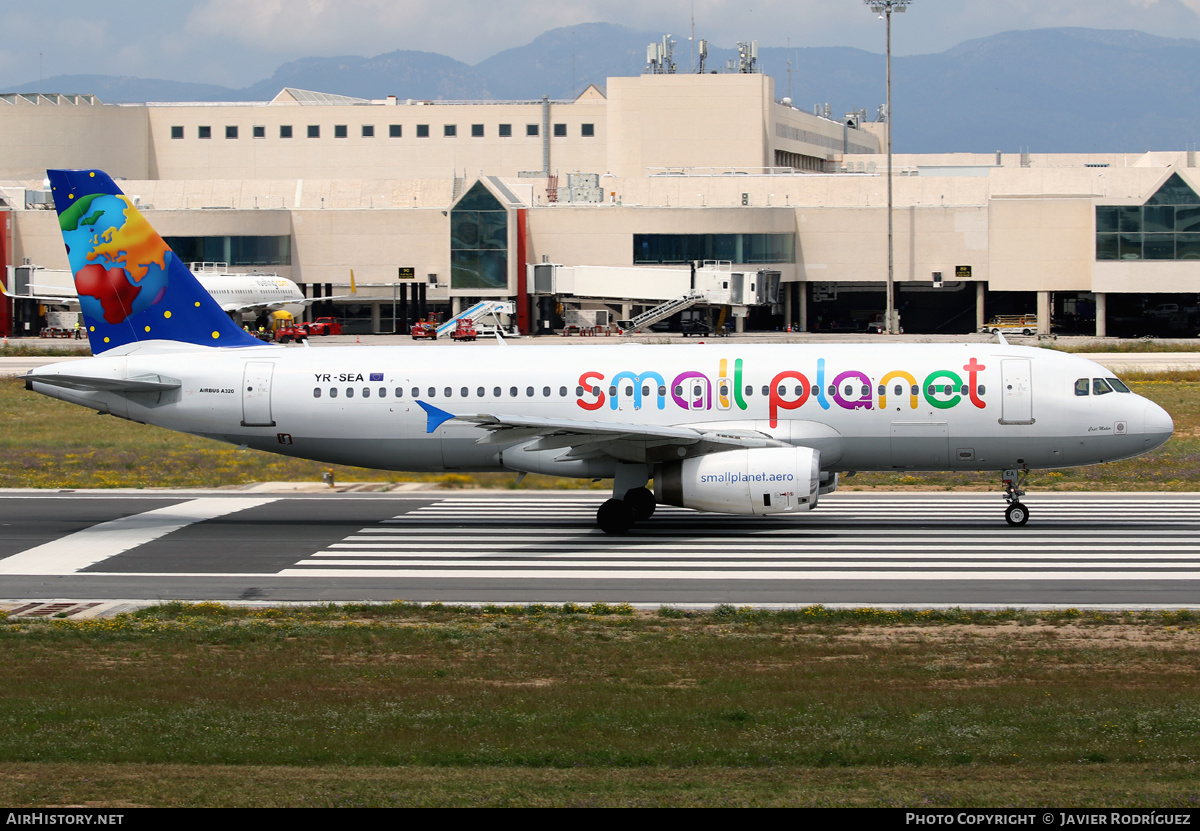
856	536
77	551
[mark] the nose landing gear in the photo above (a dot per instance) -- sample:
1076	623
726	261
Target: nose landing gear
1015	514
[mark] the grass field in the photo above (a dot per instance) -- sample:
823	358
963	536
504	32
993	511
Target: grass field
395	705
602	706
51	444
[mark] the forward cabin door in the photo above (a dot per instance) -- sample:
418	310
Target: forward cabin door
1017	391
256	394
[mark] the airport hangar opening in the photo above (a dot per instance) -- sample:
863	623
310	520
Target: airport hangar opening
640	185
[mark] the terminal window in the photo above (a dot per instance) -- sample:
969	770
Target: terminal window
314	130
1166	227
368	131
505	131
587	130
531	129
735	248
476	130
231	131
235	250
449	130
260	131
422	131
177	132
340	131
204	132
285	130
560	130
478	241
393	131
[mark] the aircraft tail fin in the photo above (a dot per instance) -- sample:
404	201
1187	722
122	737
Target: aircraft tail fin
131	285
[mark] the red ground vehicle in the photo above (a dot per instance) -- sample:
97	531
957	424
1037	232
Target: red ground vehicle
290	332
323	326
427	328
464	329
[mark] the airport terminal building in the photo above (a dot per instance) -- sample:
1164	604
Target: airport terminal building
649	176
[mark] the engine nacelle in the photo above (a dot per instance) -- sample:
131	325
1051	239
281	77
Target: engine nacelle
755	481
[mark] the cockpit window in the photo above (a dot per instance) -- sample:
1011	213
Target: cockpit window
1118	385
1082	386
1100	386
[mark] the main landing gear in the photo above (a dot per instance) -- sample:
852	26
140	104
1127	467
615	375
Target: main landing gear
632	501
616	516
1015	514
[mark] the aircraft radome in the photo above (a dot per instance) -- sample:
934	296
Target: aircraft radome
751	430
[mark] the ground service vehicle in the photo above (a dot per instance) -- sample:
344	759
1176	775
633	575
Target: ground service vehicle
290	332
464	330
427	328
1012	325
323	326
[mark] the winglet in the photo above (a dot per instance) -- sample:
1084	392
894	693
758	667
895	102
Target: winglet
435	417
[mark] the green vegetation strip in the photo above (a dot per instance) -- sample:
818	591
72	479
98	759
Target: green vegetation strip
402	704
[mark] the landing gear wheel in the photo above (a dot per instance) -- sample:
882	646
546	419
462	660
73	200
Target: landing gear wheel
615	516
641	500
1016	514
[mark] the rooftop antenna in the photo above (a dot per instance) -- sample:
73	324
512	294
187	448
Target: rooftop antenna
789	66
747	56
659	57
692	37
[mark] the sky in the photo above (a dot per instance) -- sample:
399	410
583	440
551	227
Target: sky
235	43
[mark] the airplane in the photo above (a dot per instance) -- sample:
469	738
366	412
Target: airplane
235	293
757	429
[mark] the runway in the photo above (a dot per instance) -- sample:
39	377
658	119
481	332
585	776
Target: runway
887	549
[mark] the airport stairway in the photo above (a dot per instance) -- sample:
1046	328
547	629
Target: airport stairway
495	308
661	311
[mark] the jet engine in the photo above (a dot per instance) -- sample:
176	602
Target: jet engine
754	481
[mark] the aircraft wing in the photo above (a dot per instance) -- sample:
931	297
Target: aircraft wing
233	308
629	441
53	299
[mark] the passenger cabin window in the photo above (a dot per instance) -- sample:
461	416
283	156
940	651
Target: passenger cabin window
1082	386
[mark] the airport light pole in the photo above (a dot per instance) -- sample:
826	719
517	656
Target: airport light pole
885	8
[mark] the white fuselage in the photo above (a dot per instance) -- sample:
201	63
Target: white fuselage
249	291
865	407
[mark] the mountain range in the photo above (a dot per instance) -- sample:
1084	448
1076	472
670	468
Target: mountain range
1066	90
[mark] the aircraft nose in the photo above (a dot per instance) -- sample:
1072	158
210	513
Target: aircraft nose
1158	425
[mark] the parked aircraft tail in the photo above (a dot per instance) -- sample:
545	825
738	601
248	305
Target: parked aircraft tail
131	285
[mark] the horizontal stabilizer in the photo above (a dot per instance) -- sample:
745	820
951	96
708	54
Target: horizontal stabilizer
87	383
